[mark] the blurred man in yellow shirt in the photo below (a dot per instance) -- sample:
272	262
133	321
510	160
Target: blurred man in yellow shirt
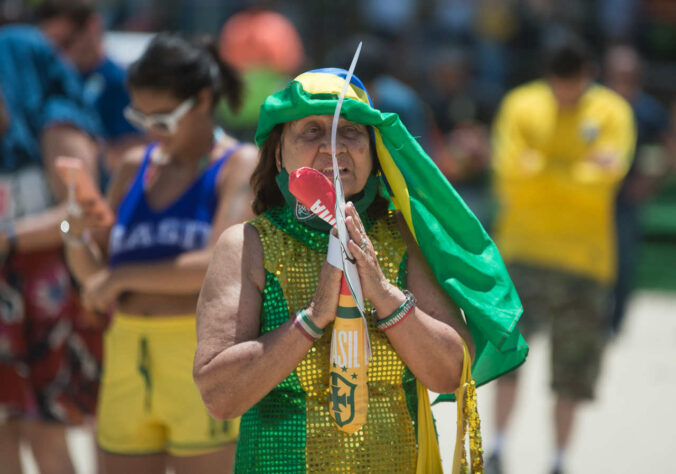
561	147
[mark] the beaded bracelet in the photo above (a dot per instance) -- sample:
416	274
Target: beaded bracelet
401	313
303	322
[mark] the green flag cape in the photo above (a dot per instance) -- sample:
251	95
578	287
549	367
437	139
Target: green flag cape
462	256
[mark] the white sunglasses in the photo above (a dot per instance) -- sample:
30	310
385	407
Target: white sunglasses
163	123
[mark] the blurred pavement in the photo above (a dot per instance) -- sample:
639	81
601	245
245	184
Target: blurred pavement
630	428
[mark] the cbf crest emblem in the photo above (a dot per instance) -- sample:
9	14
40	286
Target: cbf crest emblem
342	399
302	212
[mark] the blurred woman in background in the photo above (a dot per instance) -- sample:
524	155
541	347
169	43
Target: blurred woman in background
171	204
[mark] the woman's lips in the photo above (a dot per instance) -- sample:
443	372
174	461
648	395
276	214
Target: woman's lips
328	172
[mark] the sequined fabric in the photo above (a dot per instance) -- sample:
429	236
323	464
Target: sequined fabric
291	429
474	428
470	424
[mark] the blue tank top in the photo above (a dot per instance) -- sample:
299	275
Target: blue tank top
141	234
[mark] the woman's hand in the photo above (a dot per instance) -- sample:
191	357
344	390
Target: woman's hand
322	309
83	216
100	291
373	283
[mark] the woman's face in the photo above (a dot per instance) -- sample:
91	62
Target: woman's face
307	142
152	103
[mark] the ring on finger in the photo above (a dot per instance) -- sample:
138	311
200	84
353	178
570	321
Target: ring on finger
363	245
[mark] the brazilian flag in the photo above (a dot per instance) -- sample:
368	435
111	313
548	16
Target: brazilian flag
462	256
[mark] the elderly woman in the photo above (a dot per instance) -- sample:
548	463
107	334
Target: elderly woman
253	360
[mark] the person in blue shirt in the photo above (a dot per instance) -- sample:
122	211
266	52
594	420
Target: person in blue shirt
49	372
105	89
103	79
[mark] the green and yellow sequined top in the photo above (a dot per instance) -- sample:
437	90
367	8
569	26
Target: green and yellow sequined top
290	430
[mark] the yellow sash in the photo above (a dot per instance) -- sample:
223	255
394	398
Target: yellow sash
349	396
429	460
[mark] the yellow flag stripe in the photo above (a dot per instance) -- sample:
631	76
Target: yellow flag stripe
325	83
395	179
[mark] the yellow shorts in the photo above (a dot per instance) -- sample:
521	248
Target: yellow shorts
148	401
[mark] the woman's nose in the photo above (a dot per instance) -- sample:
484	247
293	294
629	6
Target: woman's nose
325	146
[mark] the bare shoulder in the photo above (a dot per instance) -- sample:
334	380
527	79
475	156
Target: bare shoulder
244	158
241	164
241	245
239	238
125	173
246	154
133	158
